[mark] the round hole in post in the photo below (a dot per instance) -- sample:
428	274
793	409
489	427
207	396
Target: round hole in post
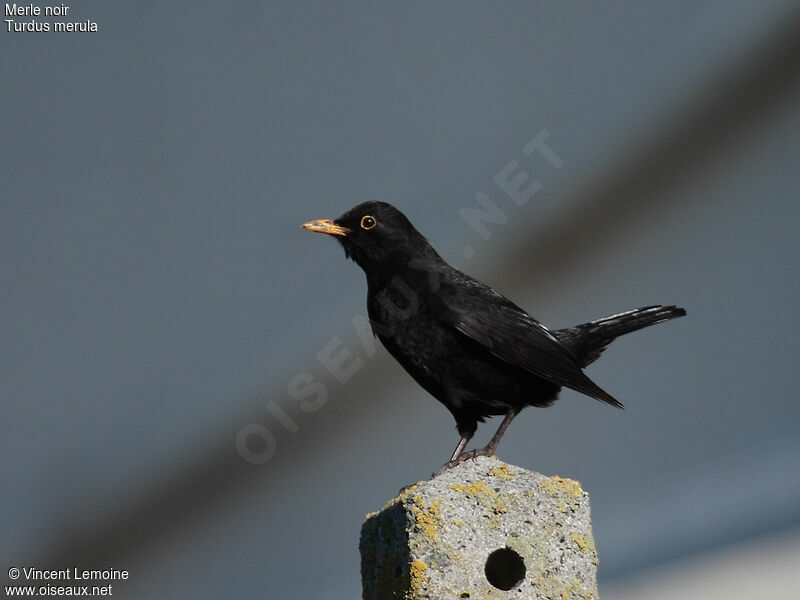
505	569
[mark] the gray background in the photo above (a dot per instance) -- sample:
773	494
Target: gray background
158	294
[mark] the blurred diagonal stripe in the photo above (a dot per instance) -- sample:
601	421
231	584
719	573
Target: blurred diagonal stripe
756	84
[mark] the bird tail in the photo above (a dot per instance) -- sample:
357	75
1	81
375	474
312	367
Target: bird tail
587	341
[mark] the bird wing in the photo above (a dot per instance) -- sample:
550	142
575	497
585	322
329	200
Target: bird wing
512	335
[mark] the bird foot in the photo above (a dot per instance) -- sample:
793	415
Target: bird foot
486	451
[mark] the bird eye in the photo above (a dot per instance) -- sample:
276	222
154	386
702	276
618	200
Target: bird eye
368	222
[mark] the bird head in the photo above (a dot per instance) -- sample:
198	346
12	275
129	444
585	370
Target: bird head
375	235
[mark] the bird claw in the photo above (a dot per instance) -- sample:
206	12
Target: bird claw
486	451
445	467
464	456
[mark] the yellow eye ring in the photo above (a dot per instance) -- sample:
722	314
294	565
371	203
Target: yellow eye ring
368	222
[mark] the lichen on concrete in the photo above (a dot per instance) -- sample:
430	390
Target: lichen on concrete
433	541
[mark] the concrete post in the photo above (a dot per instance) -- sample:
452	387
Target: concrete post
482	530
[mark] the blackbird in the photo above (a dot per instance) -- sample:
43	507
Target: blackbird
469	346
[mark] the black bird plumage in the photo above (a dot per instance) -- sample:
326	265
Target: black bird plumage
470	347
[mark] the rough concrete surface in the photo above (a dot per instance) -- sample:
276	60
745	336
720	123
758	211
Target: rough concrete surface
483	529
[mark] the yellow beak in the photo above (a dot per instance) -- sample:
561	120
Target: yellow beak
326	226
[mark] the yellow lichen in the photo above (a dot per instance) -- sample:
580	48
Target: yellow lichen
502	471
427	517
576	587
567	490
586	544
472	489
418	573
482	493
402	495
555	484
580	540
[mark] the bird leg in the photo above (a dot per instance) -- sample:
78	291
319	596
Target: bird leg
460	448
488	450
462	443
